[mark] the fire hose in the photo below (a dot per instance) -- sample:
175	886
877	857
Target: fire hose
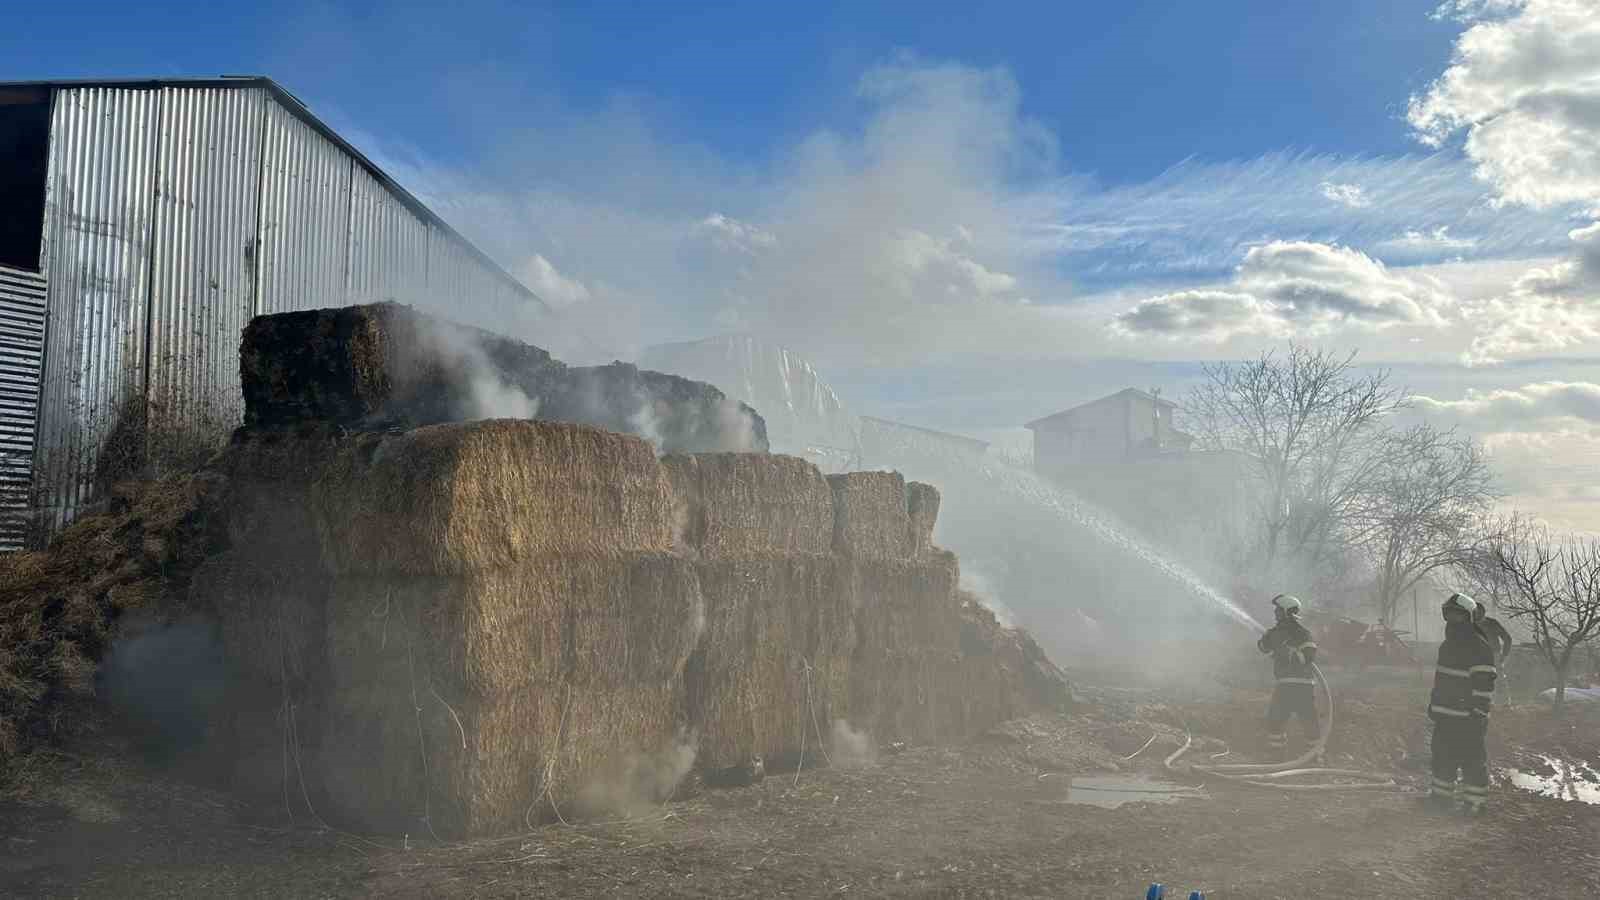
1267	775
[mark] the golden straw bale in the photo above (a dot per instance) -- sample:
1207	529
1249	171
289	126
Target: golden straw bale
588	620
408	756
904	604
922	507
451	499
742	504
772	664
870	520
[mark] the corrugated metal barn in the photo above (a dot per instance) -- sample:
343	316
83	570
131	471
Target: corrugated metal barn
144	223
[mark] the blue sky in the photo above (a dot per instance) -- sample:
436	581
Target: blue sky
972	215
1130	88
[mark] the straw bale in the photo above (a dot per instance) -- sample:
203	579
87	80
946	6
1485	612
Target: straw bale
904	604
270	613
922	508
452	499
870	520
396	760
586	620
731	505
748	687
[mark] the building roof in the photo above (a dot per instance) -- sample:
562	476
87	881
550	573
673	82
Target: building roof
300	111
1060	417
971	443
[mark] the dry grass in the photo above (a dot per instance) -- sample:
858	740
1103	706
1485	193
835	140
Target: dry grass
922	508
452	499
870	520
772	665
59	607
732	505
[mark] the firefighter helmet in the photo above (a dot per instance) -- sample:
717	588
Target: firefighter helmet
1460	603
1289	605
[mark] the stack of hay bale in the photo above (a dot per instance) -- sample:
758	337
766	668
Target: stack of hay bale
769	673
463	627
506	624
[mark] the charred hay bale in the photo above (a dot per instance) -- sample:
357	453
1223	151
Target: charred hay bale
732	505
870	519
452	499
772	664
677	414
922	509
382	361
591	621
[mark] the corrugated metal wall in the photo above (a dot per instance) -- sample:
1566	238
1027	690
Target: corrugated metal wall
305	216
388	245
98	200
203	265
173	215
22	299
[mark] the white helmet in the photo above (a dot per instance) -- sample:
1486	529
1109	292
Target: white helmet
1289	604
1462	602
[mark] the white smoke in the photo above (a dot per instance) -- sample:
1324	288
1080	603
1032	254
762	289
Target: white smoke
849	748
490	395
977	583
644	781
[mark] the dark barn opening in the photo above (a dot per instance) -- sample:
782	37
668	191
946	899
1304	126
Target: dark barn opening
24	161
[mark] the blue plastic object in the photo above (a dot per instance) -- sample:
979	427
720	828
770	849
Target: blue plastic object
1197	895
1156	892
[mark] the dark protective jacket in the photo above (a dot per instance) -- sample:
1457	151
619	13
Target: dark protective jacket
1292	651
1495	635
1463	681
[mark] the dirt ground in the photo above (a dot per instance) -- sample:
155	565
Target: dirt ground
989	819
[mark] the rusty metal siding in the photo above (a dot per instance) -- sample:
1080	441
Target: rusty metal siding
203	256
96	262
305	217
22	316
388	245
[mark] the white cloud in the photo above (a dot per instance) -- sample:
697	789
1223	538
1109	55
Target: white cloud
555	288
1426	243
733	235
1350	195
1543	438
1554	308
1294	287
1540	406
1524	84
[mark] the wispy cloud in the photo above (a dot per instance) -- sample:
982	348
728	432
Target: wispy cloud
1350	195
1287	288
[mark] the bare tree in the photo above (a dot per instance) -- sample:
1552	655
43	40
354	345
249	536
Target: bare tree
1416	514
1308	424
1551	586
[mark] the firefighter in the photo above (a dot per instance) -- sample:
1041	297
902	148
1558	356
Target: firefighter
1499	640
1493	633
1463	689
1292	652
